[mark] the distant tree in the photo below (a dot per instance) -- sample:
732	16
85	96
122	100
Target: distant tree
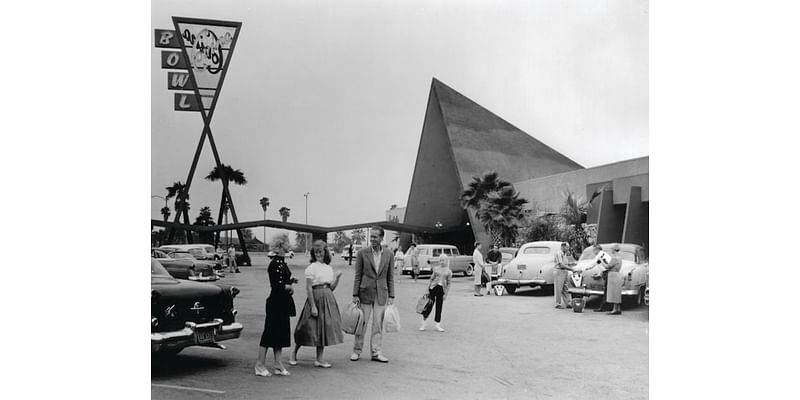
340	240
284	212
205	219
264	201
165	212
358	236
574	211
300	239
178	191
235	176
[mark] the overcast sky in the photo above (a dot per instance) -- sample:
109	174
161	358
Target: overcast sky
329	97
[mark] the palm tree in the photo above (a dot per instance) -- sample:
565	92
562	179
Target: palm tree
178	191
181	195
165	212
573	211
225	172
480	187
264	201
502	213
284	212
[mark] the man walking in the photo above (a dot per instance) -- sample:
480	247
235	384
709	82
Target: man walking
350	254
232	267
373	290
412	250
561	272
477	260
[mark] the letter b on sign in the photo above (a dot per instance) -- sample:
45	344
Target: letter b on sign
167	38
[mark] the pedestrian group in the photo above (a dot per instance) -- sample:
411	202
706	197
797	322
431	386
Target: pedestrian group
320	324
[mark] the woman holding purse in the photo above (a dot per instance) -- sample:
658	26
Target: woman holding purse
438	286
279	307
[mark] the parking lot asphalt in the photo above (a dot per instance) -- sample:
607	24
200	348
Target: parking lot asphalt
509	347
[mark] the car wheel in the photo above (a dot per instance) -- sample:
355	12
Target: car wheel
469	271
510	289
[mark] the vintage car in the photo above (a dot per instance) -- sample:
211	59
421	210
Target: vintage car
508	254
184	313
532	267
182	265
199	251
458	262
635	269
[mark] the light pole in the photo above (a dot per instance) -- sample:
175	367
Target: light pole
305	245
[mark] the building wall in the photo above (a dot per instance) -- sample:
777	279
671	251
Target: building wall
547	194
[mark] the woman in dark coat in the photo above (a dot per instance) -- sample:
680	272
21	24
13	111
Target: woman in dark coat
280	306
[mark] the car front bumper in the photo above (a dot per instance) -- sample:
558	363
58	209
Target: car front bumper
407	270
206	334
522	282
595	292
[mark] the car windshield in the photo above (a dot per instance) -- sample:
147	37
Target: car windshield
180	255
197	252
588	254
536	250
156	268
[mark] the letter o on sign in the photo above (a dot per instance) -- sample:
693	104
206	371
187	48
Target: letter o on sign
173	59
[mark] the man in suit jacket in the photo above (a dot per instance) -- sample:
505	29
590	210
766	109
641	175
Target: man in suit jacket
373	290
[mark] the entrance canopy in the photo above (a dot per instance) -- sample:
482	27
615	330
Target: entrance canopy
314	229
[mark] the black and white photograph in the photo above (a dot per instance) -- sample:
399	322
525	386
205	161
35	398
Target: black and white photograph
386	199
400	200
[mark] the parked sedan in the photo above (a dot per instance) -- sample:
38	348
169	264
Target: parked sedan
184	313
635	270
532	267
182	265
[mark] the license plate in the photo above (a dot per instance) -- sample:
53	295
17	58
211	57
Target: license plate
521	267
205	336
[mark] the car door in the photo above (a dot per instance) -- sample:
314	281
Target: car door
448	252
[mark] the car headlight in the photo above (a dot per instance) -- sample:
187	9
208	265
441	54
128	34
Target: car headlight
153	322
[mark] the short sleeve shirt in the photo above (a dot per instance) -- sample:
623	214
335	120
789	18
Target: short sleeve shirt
561	260
477	258
319	273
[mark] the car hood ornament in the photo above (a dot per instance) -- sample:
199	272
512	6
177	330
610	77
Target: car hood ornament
197	307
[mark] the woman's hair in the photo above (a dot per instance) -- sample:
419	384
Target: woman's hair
326	258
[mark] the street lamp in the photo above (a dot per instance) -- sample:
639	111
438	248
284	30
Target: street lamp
305	245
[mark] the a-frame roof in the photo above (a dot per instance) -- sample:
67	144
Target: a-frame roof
482	141
460	140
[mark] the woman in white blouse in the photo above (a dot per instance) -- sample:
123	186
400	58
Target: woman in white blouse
320	322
